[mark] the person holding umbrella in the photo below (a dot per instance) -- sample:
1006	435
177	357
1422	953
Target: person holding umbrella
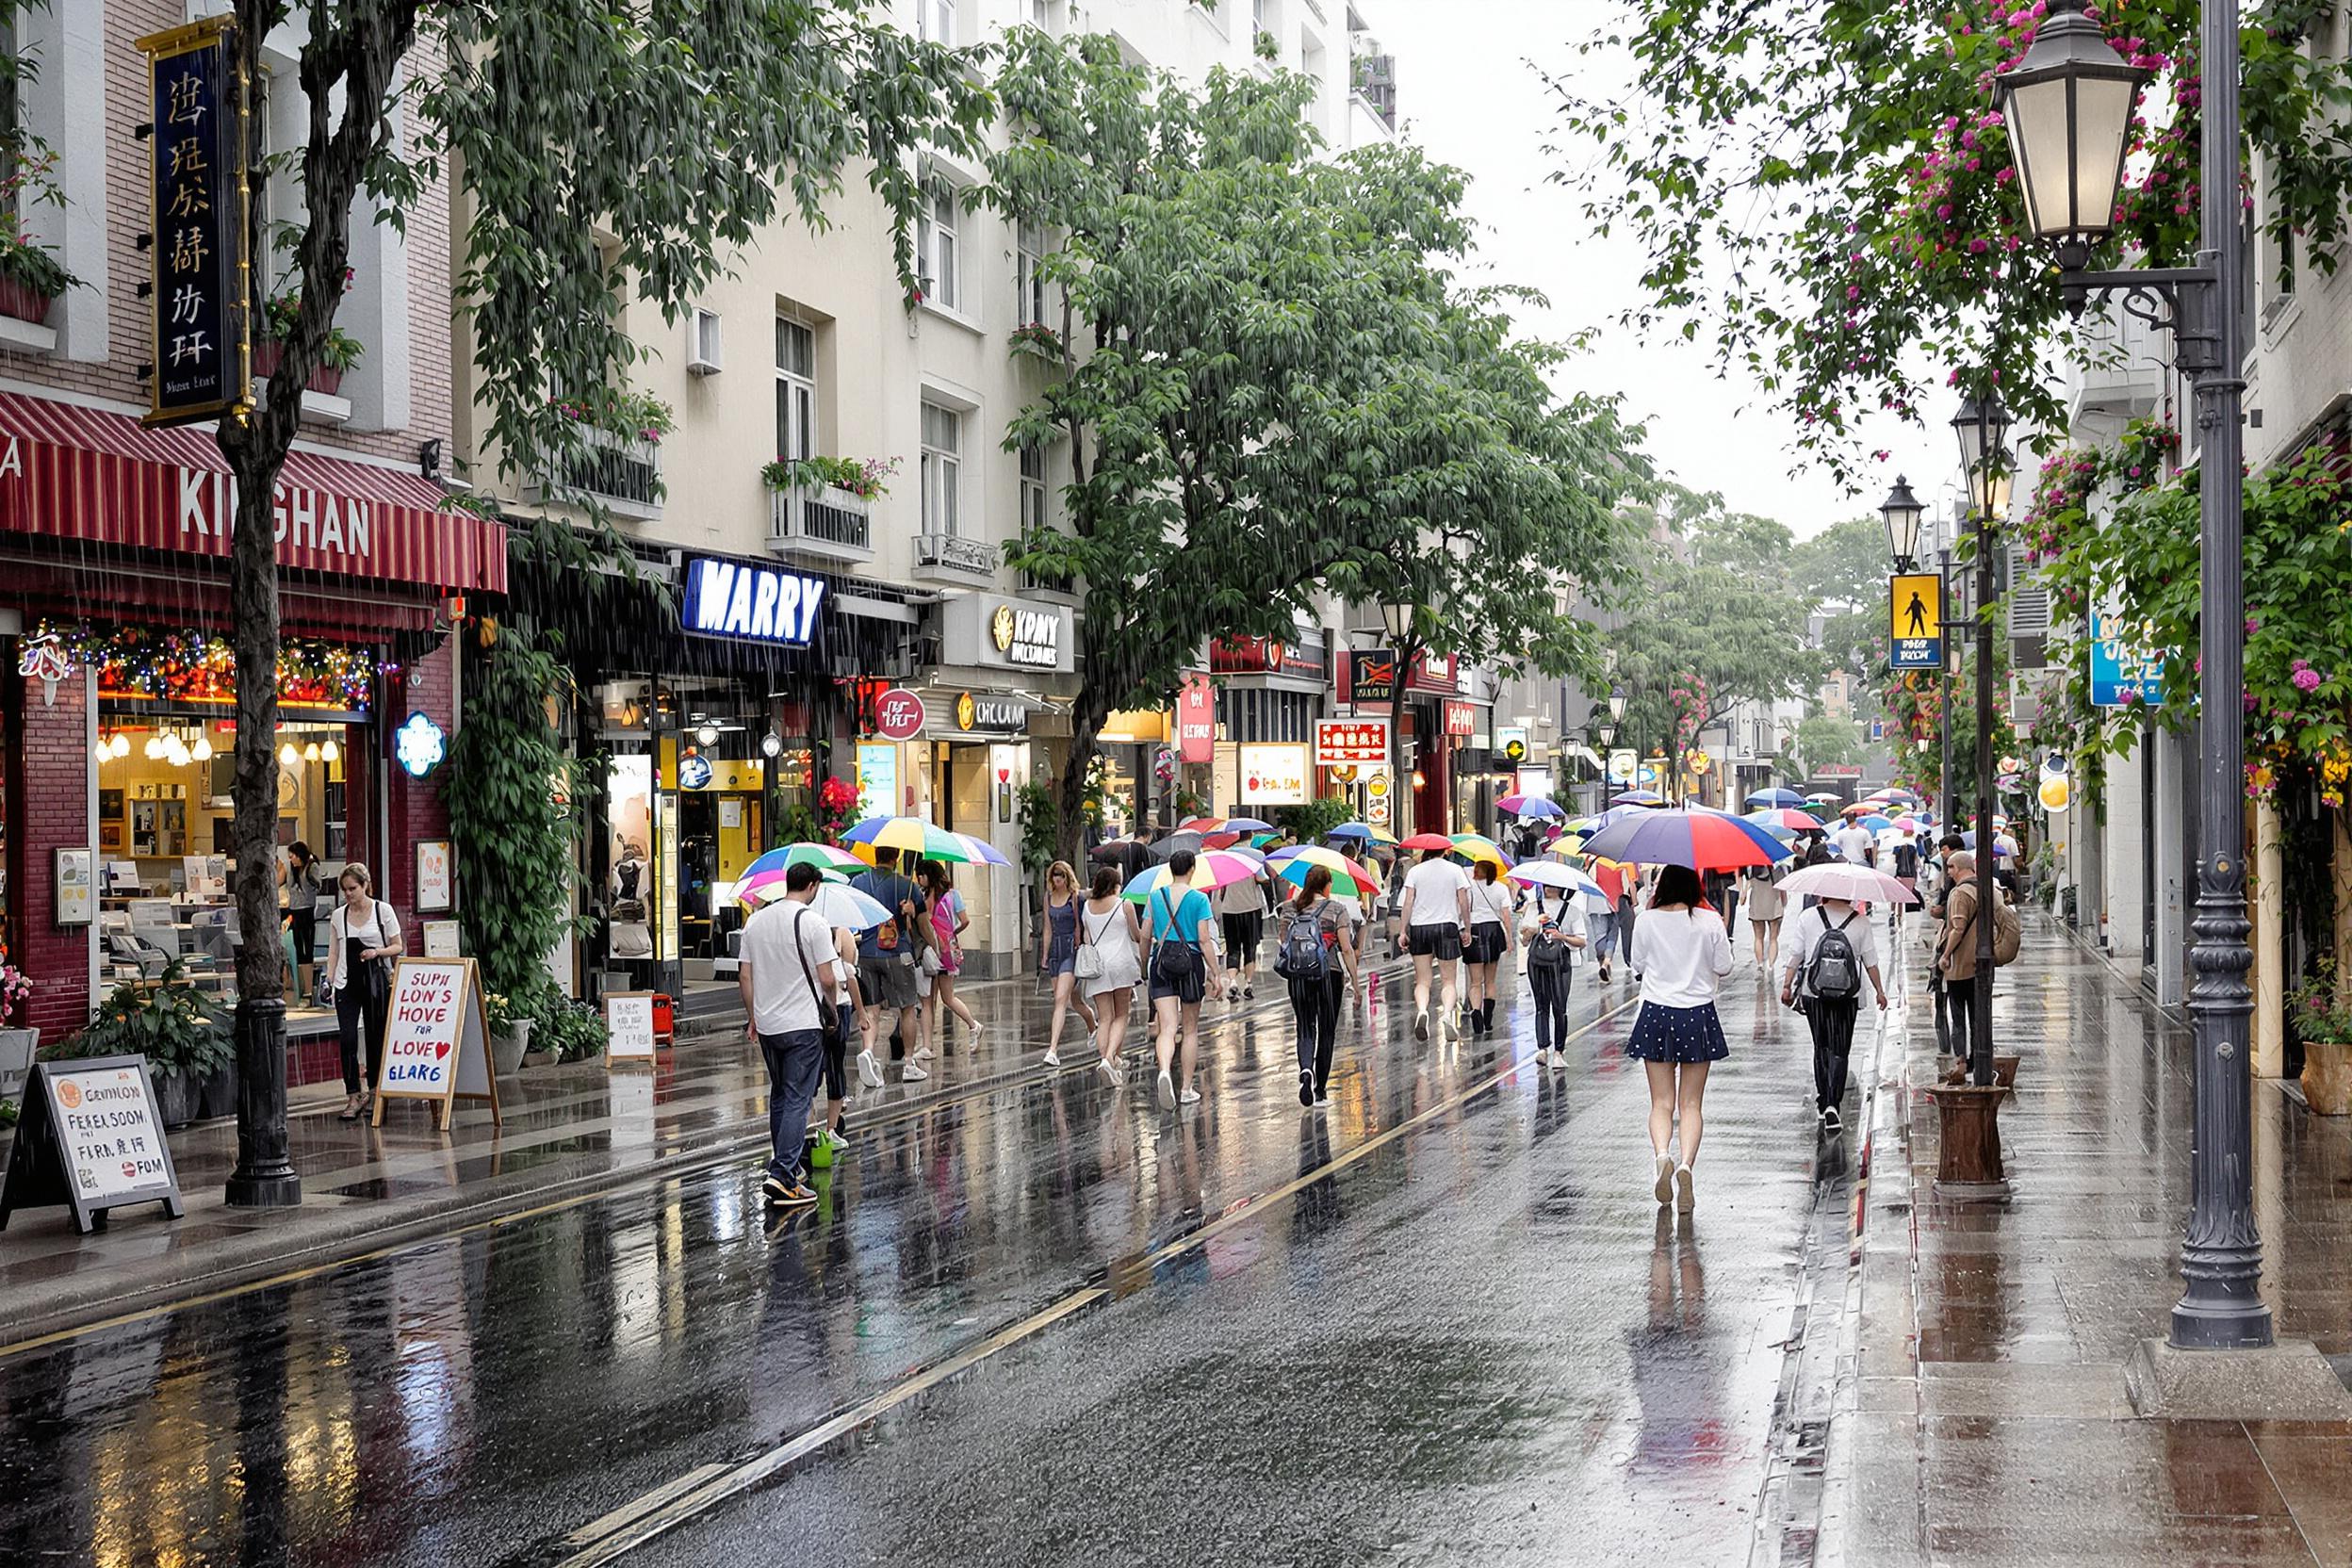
1682	954
1553	936
1436	913
1831	951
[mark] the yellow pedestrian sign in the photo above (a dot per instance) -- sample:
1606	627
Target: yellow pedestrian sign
1915	603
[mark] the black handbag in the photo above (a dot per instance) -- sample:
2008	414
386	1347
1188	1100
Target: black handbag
829	1014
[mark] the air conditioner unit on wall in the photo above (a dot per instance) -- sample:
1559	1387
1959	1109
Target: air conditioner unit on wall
702	343
2029	595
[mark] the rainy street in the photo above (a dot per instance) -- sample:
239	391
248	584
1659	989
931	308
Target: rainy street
1440	1319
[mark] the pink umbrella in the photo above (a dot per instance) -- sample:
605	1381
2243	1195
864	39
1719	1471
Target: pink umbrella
1856	884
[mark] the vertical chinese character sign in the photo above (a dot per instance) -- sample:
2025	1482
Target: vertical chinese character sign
196	185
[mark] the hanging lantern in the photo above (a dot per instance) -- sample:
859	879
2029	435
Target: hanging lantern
329	751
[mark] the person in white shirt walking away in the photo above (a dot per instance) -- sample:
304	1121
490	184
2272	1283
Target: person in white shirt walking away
1436	912
1490	942
786	973
1682	954
1831	952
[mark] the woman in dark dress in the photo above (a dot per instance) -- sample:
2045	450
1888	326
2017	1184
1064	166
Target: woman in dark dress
1057	954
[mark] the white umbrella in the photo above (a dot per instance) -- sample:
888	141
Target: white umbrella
1551	874
846	909
1855	883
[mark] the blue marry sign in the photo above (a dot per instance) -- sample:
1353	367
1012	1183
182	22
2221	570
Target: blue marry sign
2123	672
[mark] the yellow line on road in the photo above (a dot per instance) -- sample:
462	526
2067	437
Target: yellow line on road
635	1524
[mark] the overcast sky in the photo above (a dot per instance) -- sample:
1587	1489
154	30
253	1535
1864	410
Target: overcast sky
1468	94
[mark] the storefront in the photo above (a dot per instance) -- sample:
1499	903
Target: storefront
1271	694
115	803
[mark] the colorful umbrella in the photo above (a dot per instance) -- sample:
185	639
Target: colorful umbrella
1551	874
979	852
1776	797
1823	797
1225	824
1532	807
1903	795
1477	846
1875	821
907	834
1786	819
1214	869
1638	797
1703	841
1856	884
763	878
1858	809
1907	824
1427	841
1361	830
1350	877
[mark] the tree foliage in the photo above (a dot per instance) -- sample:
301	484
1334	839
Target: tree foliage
1270	386
1825	741
1824	191
1842	567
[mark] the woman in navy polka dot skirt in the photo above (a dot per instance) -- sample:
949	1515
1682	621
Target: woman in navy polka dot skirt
1682	954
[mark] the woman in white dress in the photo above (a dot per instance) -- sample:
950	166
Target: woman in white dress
1107	966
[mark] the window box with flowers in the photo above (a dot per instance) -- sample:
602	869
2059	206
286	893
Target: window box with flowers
30	279
823	505
619	458
1038	341
337	354
16	1045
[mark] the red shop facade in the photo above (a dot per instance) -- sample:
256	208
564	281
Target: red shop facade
117	703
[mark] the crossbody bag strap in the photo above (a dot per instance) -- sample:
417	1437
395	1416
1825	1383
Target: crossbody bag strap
808	973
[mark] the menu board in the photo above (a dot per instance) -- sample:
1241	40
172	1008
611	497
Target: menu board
628	1018
91	1139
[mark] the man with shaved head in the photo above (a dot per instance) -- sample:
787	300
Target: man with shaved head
1957	959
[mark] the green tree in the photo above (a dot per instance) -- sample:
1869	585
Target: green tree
1844	567
1824	194
1270	385
669	133
1825	741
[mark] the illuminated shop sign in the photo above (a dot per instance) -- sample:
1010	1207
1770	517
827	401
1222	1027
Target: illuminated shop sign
759	604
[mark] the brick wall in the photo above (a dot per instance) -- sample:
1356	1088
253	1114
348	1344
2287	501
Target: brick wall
49	809
117	379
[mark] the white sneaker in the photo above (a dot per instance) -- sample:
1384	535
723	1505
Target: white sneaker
833	1140
1109	1071
1190	1097
913	1072
1168	1091
1053	1058
869	1071
1543	1058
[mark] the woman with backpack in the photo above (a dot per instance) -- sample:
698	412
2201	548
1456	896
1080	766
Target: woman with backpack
1106	967
1831	950
1312	952
1490	939
1553	936
1681	953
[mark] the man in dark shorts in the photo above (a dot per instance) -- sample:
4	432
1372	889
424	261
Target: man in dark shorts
886	965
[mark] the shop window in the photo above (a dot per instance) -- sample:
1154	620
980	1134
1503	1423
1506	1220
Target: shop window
943	470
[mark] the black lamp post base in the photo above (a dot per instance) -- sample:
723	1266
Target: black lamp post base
265	1176
264	1189
2220	1325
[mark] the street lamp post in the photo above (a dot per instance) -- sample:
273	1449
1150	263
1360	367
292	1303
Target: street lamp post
1607	733
1980	425
1396	618
1903	511
2068	107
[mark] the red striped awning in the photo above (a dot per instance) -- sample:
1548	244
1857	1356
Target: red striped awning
69	472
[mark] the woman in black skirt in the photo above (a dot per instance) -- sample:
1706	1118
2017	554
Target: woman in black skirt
1682	954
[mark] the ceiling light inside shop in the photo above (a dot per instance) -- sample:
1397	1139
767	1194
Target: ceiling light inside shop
329	751
708	734
202	750
105	751
176	753
288	757
121	746
310	752
153	748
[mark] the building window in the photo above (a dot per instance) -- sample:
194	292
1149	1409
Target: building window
1029	274
936	19
1033	493
938	254
795	390
942	469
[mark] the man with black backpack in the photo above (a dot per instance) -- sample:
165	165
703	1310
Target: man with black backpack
1831	951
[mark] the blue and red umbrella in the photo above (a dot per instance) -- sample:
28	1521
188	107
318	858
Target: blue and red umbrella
1675	836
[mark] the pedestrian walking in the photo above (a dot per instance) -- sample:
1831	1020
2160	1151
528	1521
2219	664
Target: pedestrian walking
1553	939
1904	857
850	1009
1832	950
1310	954
1856	846
1107	966
1766	903
1058	955
1946	847
1682	954
1181	971
301	911
1609	926
786	977
1436	914
887	956
1957	955
945	958
1722	887
1241	913
1491	937
363	939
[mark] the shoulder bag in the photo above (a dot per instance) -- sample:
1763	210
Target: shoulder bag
379	976
1175	961
828	1018
1087	962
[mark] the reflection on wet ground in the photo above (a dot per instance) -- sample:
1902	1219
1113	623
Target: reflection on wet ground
1426	1321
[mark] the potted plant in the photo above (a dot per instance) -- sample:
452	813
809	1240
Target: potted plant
509	1019
862	478
168	1023
30	278
16	1045
574	1030
1038	341
2323	1021
337	354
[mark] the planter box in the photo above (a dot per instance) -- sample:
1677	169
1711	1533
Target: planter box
539	1058
16	1060
267	352
2327	1077
507	1051
177	1095
23	304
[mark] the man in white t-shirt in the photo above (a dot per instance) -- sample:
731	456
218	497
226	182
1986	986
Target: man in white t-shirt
1854	842
1436	910
788	982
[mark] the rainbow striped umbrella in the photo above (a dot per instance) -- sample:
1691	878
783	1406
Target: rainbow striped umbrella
1348	876
1676	836
1211	870
1475	847
763	878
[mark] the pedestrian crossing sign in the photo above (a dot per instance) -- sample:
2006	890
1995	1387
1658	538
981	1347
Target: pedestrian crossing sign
1915	603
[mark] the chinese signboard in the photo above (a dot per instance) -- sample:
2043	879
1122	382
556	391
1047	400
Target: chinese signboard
1342	742
1461	720
197	190
1263	656
1915	624
1195	720
2123	672
90	1139
1274	775
1371	675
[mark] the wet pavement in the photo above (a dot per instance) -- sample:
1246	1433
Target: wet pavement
1441	1315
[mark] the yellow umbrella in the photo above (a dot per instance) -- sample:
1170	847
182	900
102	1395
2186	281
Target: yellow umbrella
1477	846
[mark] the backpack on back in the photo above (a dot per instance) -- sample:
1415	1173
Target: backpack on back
1550	953
2008	932
1301	955
1834	973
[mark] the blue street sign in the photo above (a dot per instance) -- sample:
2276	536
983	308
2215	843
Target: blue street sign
2123	672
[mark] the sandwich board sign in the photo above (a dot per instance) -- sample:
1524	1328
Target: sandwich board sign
436	1046
628	1019
91	1139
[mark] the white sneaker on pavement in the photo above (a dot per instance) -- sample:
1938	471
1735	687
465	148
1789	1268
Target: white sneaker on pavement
1168	1091
869	1071
1190	1097
1052	1057
913	1072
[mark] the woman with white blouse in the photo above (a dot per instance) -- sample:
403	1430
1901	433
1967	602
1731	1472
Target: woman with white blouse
364	934
1490	939
1682	952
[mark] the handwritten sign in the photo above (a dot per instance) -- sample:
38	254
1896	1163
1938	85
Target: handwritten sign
628	1016
90	1139
435	1043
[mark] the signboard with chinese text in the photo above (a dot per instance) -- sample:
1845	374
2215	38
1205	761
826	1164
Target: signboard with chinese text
1915	605
436	1046
196	195
1195	720
1461	720
898	714
1342	742
2123	672
90	1139
1263	656
1274	775
629	1020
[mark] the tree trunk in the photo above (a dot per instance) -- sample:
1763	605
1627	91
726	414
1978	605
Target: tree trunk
1084	724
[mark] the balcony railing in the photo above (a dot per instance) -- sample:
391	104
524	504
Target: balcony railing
626	472
822	520
951	552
